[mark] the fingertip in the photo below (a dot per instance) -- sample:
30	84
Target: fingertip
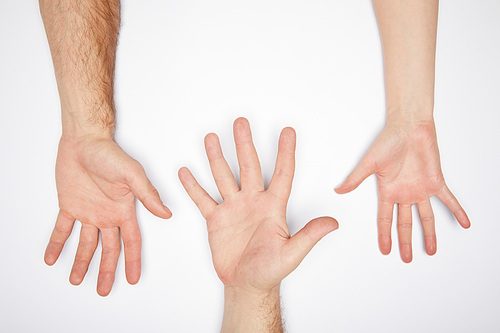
103	292
464	221
325	225
211	137
431	251
104	286
385	246
407	258
287	138
342	189
288	131
183	172
133	279
158	209
50	257
333	223
166	213
75	280
385	252
405	252
49	260
430	246
241	121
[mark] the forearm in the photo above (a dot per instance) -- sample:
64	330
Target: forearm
251	311
82	35
408	31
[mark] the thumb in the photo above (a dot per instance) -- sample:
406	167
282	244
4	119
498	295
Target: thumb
147	194
364	169
303	241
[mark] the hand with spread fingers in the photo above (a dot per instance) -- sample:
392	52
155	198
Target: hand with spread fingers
252	249
97	183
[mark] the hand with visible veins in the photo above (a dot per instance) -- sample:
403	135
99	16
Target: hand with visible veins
405	159
252	249
97	183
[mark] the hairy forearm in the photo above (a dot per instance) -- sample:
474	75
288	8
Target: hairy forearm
408	31
246	311
82	35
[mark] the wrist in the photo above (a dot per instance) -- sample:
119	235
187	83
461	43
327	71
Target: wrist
85	124
410	115
252	310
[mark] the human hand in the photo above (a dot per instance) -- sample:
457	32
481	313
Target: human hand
405	158
97	183
248	234
252	249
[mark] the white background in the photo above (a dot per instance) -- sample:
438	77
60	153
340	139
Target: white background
186	68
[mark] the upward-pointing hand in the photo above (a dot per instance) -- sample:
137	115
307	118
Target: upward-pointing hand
252	248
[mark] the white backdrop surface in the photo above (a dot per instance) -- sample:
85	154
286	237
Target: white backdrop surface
186	68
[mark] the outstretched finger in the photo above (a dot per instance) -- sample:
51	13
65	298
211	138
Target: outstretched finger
147	193
132	244
281	183
223	176
200	197
404	232
363	170
304	240
89	236
250	172
384	223
452	203
61	232
428	224
110	239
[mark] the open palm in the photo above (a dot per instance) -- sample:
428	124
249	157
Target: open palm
406	162
248	234
97	183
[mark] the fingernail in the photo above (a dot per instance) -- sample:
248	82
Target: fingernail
338	186
166	208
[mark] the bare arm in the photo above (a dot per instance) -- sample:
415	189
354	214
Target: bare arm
405	156
97	182
82	36
408	30
252	311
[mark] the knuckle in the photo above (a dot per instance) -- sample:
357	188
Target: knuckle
427	220
404	225
112	250
132	243
385	221
152	193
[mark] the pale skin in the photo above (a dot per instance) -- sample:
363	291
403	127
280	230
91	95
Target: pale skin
252	249
97	182
405	156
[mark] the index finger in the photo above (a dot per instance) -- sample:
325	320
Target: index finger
200	197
